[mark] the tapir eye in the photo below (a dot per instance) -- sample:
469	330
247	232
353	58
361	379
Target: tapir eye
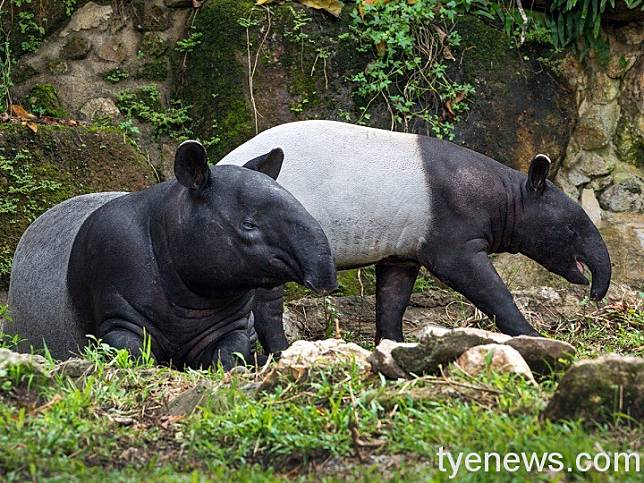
248	224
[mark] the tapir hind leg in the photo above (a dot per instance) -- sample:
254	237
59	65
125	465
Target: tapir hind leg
268	310
394	284
470	272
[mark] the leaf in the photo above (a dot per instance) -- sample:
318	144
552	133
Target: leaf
33	126
334	7
18	111
452	102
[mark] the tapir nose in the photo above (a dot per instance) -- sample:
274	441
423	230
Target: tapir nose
598	260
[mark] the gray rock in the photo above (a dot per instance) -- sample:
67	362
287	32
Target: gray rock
76	48
99	107
382	361
594	390
112	49
154	44
435	351
591	206
596	125
57	67
151	17
624	196
502	359
185	403
594	164
89	16
28	363
74	368
543	355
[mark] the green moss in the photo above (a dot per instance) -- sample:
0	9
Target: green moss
629	142
39	170
43	100
156	70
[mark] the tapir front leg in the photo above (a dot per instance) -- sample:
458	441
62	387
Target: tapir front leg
268	310
112	333
394	284
471	273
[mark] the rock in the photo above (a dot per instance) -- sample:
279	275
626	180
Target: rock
621	58
603	88
178	3
76	48
112	50
435	351
591	206
593	164
503	359
624	196
321	353
486	336
631	34
153	44
43	100
186	402
596	124
57	67
99	107
577	178
150	17
594	390
543	355
26	363
74	368
89	16
292	327
382	361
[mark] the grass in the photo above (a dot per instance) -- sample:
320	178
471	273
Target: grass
337	425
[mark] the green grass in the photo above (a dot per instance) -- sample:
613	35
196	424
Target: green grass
339	424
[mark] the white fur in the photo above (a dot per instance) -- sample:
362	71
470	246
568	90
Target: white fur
365	186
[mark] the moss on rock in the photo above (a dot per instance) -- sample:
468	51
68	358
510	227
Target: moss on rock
39	170
43	100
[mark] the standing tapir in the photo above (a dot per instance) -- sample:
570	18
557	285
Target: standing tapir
177	261
403	200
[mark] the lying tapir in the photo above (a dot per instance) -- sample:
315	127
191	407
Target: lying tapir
177	261
402	200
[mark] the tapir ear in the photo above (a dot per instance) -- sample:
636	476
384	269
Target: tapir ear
538	173
191	165
269	163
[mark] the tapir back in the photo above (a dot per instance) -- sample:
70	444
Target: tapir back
366	187
40	309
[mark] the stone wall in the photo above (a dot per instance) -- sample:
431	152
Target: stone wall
604	160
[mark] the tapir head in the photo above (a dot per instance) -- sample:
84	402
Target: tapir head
239	229
556	232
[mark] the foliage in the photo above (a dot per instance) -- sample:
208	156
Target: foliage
573	21
116	75
145	105
189	43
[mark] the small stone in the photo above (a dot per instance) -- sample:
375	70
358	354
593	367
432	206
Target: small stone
591	206
596	125
624	196
382	361
320	353
486	336
89	16
504	360
185	403
28	363
178	3
543	355
577	178
99	107
76	48
74	368
594	390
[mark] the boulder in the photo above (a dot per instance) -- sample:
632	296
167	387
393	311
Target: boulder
595	390
596	125
383	362
541	354
89	16
625	195
99	107
496	358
